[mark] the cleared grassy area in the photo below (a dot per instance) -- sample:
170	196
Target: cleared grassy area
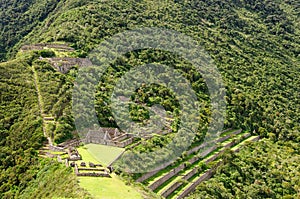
101	187
100	153
108	188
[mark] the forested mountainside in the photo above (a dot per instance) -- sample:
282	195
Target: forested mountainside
18	18
254	44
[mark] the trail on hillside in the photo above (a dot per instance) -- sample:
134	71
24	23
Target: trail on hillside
41	105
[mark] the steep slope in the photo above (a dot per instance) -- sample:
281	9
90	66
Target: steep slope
255	45
261	170
22	135
18	18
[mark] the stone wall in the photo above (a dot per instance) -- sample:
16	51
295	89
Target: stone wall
207	174
166	177
58	47
64	64
73	154
202	178
253	140
94	174
222	139
197	148
171	189
192	160
175	171
126	142
91	169
57	149
121	137
155	171
191	188
191	173
70	143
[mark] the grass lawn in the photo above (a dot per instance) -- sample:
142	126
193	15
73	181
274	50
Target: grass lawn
97	153
108	188
101	187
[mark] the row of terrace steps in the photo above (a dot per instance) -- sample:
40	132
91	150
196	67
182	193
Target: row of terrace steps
61	64
64	64
166	183
49	151
213	154
185	189
157	183
225	135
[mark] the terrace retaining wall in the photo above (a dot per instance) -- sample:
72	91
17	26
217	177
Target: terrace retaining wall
171	189
155	171
94	174
202	178
166	177
194	159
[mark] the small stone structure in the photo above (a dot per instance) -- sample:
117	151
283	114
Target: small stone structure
73	154
94	172
92	165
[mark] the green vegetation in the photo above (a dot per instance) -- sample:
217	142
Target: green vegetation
20	126
255	45
260	170
23	175
55	89
54	180
18	18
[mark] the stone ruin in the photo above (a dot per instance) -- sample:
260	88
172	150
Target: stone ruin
61	64
90	171
64	64
73	154
109	136
69	143
43	46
